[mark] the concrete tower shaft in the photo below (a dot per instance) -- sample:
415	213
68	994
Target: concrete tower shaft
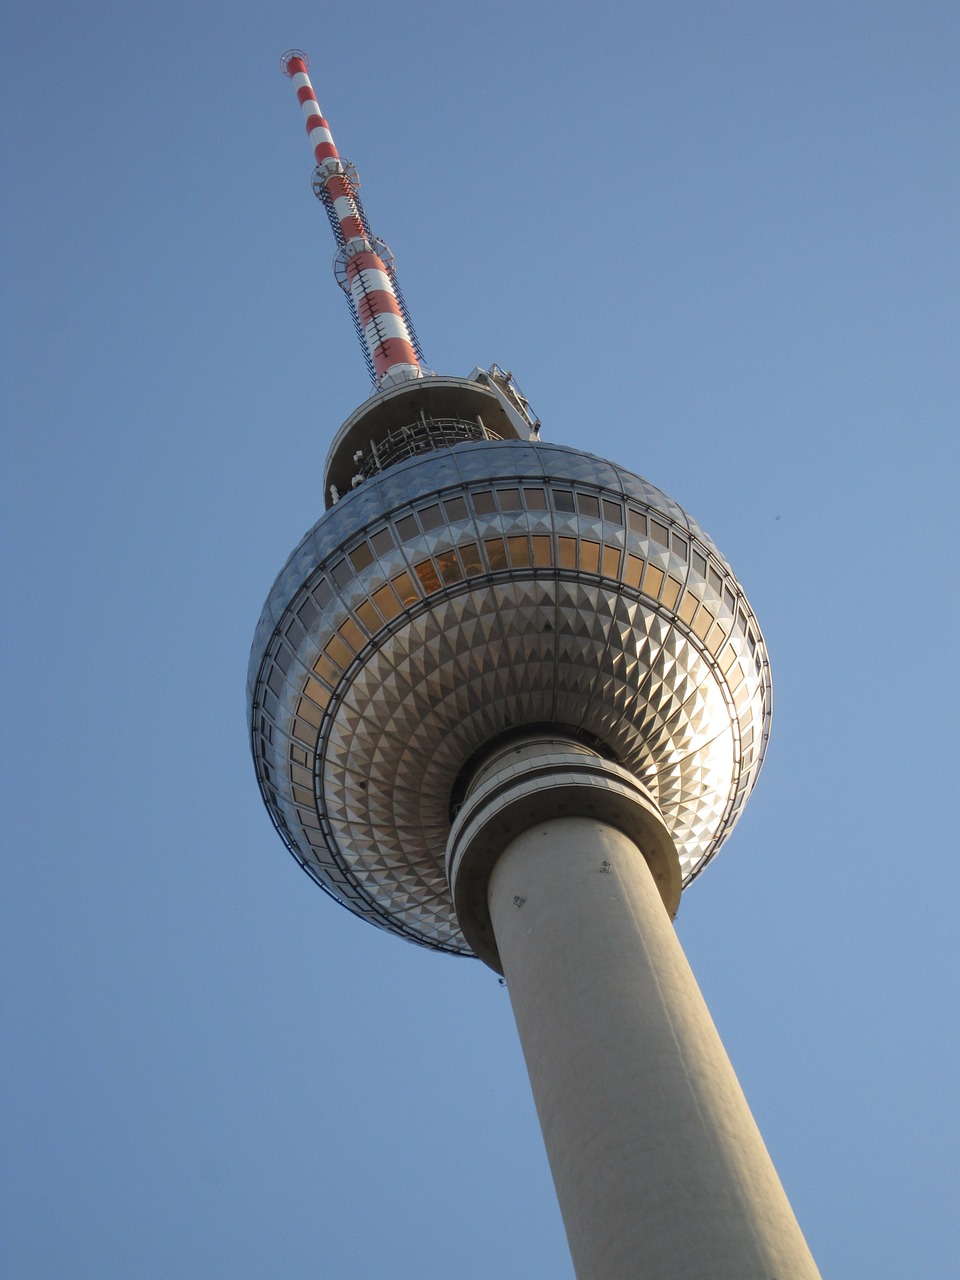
561	867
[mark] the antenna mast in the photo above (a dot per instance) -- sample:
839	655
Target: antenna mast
364	266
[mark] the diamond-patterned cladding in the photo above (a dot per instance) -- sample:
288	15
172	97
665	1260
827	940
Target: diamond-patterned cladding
367	699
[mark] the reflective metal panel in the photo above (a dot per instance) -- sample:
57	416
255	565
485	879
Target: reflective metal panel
467	593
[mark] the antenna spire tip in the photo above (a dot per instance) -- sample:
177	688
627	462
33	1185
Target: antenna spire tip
290	56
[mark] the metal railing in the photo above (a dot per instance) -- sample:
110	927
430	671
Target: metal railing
421	436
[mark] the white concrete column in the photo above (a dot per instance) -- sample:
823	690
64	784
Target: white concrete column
660	1169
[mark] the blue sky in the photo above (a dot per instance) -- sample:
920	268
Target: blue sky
716	242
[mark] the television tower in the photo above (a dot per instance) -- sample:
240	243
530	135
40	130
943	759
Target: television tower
507	699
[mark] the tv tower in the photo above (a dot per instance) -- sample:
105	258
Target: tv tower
507	699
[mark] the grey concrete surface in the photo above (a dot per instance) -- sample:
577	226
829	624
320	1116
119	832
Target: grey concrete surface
659	1167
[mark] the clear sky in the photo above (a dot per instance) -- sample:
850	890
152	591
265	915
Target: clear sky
716	242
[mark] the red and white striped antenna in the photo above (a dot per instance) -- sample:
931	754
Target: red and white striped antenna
364	266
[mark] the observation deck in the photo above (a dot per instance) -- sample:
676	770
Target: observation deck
422	415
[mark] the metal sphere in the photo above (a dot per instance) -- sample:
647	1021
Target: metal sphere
471	592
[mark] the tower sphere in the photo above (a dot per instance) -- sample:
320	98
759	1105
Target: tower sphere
466	589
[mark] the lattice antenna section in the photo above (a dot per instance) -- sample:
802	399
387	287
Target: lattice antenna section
351	176
364	266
